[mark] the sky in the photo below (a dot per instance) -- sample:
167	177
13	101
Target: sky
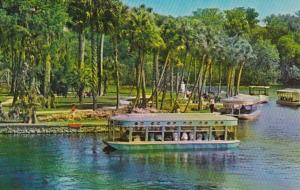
186	7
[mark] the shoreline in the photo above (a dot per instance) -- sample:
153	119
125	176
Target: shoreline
24	128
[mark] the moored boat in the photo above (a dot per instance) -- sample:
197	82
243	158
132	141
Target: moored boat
262	92
244	107
289	97
166	131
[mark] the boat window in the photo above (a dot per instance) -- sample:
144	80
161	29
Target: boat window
138	134
230	132
171	133
155	134
218	133
202	136
202	133
123	134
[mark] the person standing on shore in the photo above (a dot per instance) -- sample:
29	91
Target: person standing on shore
212	104
73	110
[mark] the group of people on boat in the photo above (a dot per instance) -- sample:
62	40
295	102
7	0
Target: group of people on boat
283	98
172	136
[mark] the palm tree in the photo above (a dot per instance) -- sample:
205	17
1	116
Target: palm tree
77	10
143	36
115	14
95	14
245	54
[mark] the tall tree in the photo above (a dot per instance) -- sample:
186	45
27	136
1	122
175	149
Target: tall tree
77	11
143	35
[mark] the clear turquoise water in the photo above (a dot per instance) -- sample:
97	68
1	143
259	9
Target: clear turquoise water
268	158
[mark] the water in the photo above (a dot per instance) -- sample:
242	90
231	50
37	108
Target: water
268	158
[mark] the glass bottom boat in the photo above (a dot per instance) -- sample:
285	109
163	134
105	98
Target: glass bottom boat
261	92
178	131
244	107
289	97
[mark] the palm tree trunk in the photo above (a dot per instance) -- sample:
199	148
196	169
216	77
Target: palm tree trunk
47	77
171	83
240	70
208	64
143	77
187	82
162	74
94	68
228	81
210	78
138	81
189	70
164	91
195	83
220	79
117	74
232	85
17	84
153	76
104	85
156	78
81	47
100	64
14	71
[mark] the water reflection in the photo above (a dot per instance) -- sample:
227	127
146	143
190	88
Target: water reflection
268	158
203	168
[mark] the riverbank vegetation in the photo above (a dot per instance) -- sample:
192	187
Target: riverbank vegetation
53	50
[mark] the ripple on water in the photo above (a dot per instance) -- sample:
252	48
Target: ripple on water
268	158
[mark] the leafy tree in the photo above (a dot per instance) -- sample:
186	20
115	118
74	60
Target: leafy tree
265	70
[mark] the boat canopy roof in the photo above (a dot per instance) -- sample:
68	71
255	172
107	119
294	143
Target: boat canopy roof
173	119
241	100
289	90
260	87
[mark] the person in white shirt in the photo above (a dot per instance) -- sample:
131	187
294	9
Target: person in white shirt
184	136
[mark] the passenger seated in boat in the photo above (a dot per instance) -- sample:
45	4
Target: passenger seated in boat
125	136
151	136
245	109
184	136
191	136
199	137
205	136
136	138
168	137
175	136
158	137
